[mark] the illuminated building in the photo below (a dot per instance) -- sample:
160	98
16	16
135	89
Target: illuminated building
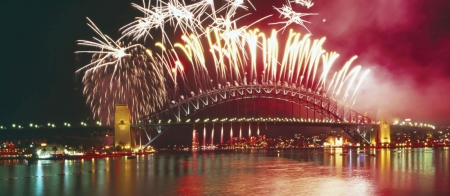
333	141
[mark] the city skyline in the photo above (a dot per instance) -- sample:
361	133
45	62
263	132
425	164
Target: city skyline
406	51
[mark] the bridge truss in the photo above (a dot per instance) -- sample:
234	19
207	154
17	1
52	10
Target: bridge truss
329	110
326	107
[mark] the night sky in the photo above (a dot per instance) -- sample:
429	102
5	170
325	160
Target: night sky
405	44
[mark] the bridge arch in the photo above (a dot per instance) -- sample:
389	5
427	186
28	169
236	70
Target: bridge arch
322	112
326	107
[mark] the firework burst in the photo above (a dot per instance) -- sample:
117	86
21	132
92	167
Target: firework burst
212	43
137	83
121	74
287	12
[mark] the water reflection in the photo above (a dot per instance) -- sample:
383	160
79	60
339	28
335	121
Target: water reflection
336	171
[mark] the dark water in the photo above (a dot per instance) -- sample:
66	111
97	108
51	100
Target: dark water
416	171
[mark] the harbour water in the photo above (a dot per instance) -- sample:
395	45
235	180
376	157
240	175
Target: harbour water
396	171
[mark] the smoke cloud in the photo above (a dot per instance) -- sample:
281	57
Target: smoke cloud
404	43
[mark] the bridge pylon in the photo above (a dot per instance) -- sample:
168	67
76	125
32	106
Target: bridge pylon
384	131
122	130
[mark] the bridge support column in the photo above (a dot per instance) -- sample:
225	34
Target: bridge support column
221	134
257	133
212	136
240	131
204	136
231	135
194	139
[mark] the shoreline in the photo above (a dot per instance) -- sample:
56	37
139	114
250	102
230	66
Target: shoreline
133	155
75	157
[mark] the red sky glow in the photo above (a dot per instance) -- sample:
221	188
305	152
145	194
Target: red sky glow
404	43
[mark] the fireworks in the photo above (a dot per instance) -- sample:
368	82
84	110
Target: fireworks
111	51
121	74
293	17
306	3
212	45
135	83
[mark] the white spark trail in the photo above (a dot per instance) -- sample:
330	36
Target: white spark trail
287	12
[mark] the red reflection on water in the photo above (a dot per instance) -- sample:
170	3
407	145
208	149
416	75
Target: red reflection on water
191	185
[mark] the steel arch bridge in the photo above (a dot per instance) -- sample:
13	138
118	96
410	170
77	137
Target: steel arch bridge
328	108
